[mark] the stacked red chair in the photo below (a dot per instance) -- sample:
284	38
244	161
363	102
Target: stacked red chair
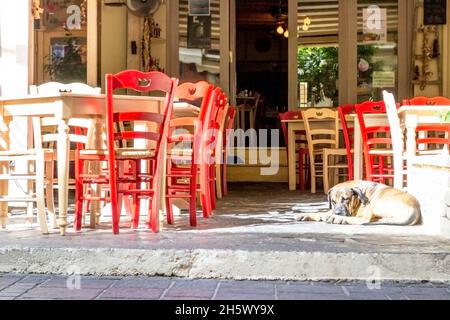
146	181
183	164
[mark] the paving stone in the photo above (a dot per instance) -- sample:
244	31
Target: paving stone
247	287
150	283
85	283
6	298
244	296
430	296
131	293
188	288
61	293
36	279
425	291
7	280
306	296
309	289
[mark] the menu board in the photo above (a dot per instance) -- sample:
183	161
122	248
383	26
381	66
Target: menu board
435	12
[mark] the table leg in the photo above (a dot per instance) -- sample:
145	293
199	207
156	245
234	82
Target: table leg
411	125
291	158
357	152
4	145
63	175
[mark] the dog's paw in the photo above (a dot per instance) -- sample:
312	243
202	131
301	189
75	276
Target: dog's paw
303	218
335	219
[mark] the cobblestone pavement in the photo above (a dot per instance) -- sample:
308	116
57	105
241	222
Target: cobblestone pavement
38	287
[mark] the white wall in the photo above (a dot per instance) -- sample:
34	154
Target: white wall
14	28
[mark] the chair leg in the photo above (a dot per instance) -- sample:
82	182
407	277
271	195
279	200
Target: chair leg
192	200
79	165
301	177
49	194
136	199
40	194
169	211
224	178
219	191
326	174
212	186
3	192
313	175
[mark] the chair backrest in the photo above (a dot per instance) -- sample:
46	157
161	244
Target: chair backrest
52	88
373	136
213	126
46	136
318	135
426	101
140	82
229	122
192	93
348	133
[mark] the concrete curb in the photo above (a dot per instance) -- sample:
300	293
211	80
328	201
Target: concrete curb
230	264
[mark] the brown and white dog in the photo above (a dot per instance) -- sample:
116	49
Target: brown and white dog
363	202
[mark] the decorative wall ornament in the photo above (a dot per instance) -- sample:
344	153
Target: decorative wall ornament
428	53
36	10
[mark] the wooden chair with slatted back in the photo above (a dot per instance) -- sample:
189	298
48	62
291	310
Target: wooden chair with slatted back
322	132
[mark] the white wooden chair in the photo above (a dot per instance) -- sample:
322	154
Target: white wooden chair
323	144
39	174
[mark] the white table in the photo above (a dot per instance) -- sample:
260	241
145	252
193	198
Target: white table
65	106
411	117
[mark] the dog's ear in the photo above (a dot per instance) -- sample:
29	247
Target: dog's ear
361	196
329	197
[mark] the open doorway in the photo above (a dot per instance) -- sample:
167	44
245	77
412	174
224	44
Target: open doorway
262	59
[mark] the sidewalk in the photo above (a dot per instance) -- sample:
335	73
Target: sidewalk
39	287
253	236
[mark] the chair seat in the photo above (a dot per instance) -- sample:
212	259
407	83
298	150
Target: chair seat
381	152
123	153
29	152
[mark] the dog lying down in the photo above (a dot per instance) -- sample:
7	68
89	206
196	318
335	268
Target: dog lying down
363	202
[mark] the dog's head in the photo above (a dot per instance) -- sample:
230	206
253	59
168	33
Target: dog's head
345	201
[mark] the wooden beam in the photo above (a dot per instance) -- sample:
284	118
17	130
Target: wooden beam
292	55
92	43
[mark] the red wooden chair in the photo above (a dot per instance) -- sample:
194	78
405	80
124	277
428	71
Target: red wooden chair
229	122
348	135
431	138
184	150
301	145
377	142
426	101
146	183
215	129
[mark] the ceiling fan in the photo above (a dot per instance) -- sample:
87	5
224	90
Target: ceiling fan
280	12
142	8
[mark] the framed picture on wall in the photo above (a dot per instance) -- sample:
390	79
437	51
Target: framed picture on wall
199	32
199	7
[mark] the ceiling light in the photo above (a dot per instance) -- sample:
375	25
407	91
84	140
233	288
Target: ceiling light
286	34
280	29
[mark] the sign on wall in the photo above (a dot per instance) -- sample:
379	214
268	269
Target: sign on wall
383	79
199	7
435	12
374	24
